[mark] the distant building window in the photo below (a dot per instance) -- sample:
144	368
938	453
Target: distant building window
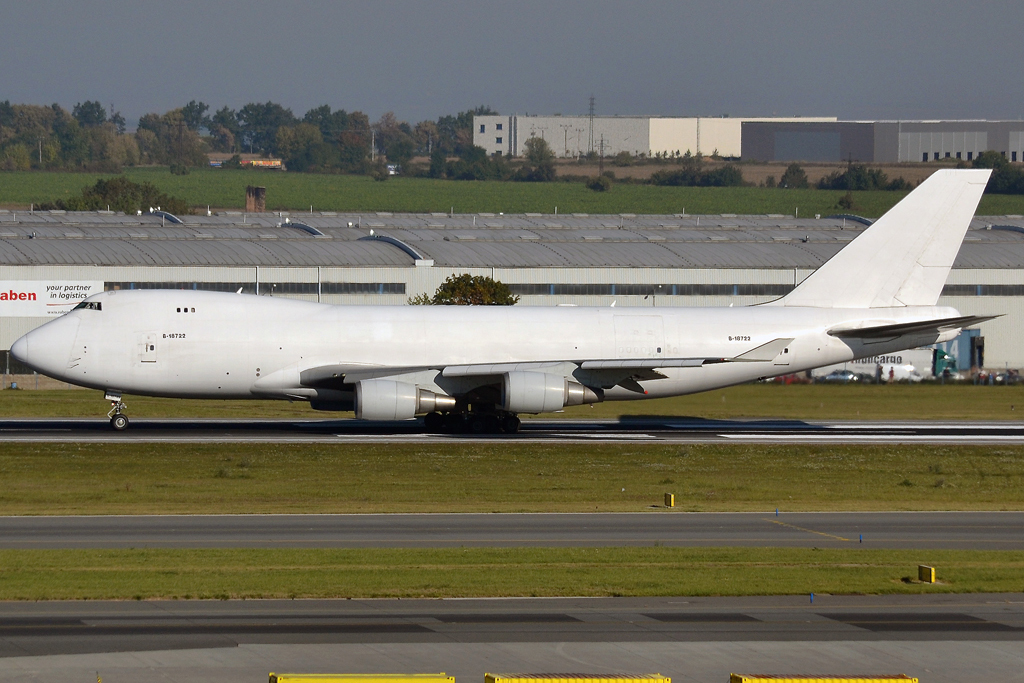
497	141
497	126
958	155
482	128
936	156
924	156
947	155
1013	156
970	155
1004	154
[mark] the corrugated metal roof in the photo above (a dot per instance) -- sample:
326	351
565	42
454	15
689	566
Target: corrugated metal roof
484	240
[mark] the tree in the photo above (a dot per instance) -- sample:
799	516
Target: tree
469	290
456	132
794	177
259	124
1006	178
119	122
194	115
89	114
540	162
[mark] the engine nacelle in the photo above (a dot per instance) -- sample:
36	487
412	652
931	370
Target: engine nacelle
539	392
385	399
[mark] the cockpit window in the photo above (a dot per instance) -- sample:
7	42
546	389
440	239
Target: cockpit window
89	305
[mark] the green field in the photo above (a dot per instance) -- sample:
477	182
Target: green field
296	192
799	402
155	478
465	572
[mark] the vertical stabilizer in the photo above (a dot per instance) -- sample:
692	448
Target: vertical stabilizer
904	257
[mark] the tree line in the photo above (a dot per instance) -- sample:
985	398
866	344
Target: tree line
92	137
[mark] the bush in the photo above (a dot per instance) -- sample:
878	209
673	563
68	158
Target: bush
794	177
120	194
622	159
601	183
859	177
693	175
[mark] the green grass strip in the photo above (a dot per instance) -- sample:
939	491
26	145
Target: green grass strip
798	402
461	572
297	191
131	478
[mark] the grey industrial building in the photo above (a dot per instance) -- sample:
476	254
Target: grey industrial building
629	260
880	141
575	136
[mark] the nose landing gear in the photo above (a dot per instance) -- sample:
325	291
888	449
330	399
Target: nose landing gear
118	420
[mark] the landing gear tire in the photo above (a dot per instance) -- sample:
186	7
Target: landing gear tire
485	423
119	422
510	424
434	423
477	424
454	423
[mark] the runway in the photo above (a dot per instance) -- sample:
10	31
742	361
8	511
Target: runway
897	530
938	638
648	429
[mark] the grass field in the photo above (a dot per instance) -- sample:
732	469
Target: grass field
69	478
296	192
800	402
466	572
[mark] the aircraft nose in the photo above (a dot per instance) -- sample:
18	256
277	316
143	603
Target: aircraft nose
47	349
20	349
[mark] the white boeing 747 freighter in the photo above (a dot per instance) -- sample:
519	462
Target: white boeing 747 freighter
476	368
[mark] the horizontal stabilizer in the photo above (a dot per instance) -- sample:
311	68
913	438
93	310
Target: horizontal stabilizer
917	327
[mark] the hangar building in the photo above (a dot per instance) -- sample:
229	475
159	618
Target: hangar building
880	141
51	260
575	136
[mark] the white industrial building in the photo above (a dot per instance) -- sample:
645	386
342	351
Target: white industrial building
50	260
575	136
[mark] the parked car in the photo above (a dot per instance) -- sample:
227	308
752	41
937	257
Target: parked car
843	376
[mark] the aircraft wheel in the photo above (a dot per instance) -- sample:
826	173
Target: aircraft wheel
478	424
433	422
119	422
511	424
454	423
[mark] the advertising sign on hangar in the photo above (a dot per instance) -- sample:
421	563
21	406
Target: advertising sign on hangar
43	298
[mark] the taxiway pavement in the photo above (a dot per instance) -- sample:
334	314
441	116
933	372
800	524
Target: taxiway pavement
938	638
901	530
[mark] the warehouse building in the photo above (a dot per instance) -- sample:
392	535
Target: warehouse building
50	261
575	136
880	141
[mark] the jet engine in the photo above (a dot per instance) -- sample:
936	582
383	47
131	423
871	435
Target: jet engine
385	399
539	392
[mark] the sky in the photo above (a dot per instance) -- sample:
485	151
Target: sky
855	59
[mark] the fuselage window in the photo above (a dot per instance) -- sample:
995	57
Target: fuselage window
193	310
179	310
89	306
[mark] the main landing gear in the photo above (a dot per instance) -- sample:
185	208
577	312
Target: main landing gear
118	420
471	423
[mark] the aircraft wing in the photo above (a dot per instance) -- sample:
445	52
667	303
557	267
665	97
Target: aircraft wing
892	330
612	372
